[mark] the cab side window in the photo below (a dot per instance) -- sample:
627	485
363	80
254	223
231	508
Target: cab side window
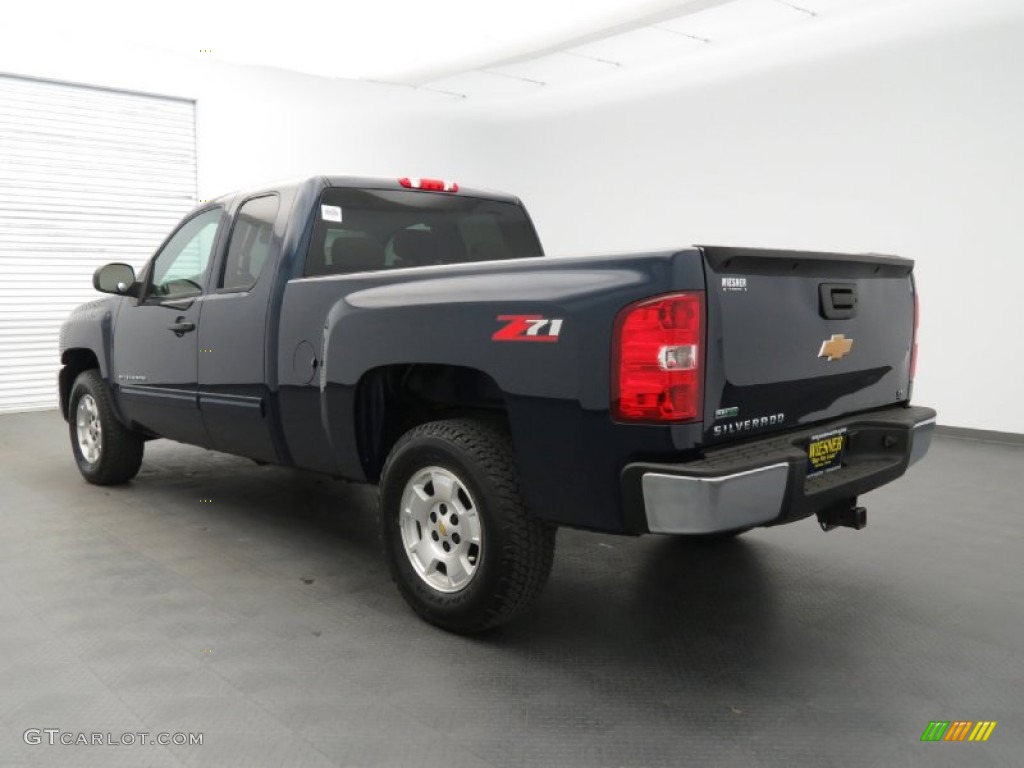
179	268
250	243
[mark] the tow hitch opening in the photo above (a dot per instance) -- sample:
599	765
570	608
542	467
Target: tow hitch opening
845	514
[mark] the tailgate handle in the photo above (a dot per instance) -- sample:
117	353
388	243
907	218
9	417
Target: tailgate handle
837	301
843	299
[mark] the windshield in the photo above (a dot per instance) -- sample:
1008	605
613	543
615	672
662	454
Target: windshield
362	230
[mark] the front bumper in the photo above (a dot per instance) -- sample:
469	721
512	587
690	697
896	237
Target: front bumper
764	482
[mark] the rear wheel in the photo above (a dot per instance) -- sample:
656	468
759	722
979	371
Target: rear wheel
107	453
463	549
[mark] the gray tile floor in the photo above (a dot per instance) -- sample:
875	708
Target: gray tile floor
264	619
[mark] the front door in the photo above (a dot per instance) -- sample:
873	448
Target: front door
156	346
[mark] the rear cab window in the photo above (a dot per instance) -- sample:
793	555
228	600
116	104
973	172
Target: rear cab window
366	230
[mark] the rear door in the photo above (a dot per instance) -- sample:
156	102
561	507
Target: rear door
233	334
798	337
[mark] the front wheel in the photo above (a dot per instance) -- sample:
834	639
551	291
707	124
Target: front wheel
107	453
463	549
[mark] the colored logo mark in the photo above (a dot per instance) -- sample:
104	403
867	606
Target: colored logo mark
959	730
835	348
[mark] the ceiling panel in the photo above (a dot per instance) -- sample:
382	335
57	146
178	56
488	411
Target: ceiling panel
558	68
480	84
833	7
463	46
640	46
394	40
740	19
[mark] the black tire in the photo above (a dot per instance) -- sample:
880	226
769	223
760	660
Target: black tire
516	550
120	449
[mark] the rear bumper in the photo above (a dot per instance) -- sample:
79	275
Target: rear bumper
765	482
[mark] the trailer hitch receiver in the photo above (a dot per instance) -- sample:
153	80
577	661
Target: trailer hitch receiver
845	514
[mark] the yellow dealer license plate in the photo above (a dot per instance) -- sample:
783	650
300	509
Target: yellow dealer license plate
825	452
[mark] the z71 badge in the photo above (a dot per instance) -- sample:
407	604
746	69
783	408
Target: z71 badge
528	328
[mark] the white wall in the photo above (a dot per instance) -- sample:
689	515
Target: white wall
901	134
256	125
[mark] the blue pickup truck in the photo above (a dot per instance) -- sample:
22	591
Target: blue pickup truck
411	334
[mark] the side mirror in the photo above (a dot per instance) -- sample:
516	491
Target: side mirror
116	278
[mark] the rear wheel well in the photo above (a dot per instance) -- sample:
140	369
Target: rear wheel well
393	399
76	362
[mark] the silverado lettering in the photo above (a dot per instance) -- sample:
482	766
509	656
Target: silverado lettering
741	426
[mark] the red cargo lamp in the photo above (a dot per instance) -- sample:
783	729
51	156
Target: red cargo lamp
429	185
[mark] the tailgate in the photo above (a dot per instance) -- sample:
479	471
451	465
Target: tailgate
800	337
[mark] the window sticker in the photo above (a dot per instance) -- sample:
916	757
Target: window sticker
330	212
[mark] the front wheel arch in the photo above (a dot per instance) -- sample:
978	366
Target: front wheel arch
76	361
106	452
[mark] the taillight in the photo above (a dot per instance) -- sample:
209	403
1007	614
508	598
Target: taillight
657	359
431	185
913	348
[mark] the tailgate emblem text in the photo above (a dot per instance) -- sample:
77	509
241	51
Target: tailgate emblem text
527	328
835	348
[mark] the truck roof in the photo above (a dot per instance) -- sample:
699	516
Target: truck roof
363	182
359	182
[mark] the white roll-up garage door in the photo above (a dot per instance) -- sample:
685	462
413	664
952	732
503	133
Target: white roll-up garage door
87	176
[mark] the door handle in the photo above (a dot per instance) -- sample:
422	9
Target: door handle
182	327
